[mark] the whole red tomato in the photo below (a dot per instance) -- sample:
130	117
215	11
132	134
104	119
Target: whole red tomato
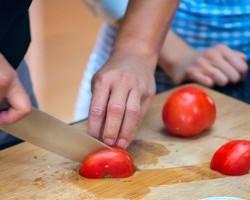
188	111
115	163
232	158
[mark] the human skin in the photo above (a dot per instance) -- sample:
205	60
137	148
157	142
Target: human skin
122	90
217	65
12	89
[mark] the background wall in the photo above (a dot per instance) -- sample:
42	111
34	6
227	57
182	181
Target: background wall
63	35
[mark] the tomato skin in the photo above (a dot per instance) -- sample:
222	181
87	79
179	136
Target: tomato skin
188	111
107	163
232	158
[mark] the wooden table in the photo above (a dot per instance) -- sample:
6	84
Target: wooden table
169	167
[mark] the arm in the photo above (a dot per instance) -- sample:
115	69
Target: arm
11	88
216	65
145	24
123	89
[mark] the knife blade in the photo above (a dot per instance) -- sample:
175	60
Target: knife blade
52	134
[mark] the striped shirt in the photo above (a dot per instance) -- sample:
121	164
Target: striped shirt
205	23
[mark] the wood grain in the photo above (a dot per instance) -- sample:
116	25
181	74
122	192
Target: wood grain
168	167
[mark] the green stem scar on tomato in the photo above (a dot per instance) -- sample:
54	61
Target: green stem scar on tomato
188	111
232	158
108	163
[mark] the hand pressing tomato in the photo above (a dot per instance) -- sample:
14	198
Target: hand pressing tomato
108	163
232	158
188	111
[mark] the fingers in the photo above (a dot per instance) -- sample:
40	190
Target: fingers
218	65
19	105
137	105
131	121
205	71
115	114
14	113
97	111
199	77
232	74
240	54
236	60
13	91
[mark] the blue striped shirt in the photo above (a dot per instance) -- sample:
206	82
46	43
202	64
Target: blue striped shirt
205	23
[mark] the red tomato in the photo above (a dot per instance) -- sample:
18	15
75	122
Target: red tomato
188	111
107	163
232	158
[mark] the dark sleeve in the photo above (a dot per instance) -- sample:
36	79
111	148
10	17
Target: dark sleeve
14	30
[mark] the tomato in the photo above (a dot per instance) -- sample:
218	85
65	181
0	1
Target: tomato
232	158
188	111
108	163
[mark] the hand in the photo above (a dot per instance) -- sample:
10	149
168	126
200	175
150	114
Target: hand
11	88
218	65
122	92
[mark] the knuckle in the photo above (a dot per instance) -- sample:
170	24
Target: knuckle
151	92
220	47
97	77
147	92
109	134
8	74
223	82
115	109
243	69
148	95
211	54
99	80
96	111
236	78
199	61
134	111
212	74
4	80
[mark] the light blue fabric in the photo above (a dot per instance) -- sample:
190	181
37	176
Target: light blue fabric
114	8
205	23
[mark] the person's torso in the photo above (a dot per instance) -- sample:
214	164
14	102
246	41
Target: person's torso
205	23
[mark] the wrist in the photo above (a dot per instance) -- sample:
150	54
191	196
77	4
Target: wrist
175	64
145	57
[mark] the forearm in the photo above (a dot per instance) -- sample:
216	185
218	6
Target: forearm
173	50
144	27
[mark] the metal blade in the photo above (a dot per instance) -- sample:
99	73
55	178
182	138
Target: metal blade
47	132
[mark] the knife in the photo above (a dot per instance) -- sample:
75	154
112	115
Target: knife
52	134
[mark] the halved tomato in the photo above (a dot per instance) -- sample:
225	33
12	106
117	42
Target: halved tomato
232	158
108	163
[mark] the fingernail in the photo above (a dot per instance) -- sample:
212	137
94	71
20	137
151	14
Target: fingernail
109	141
122	143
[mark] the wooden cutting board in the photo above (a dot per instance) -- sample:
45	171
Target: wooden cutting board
169	167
